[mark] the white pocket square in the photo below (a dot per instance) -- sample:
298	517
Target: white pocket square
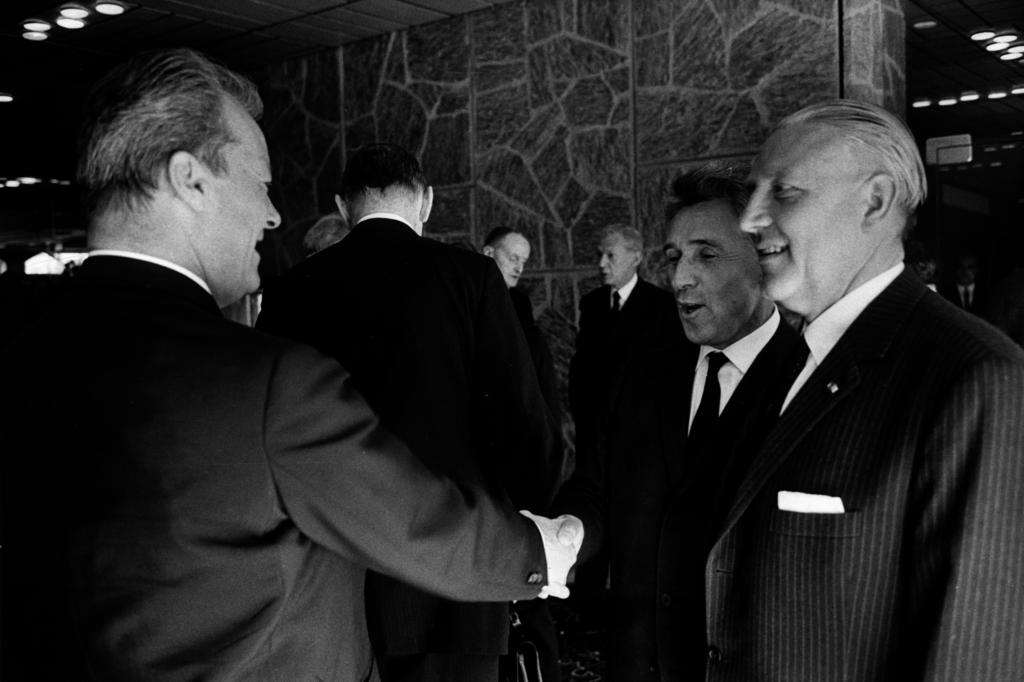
806	503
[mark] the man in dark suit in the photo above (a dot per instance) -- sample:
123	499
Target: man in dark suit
626	316
186	498
966	289
878	533
431	339
511	251
671	440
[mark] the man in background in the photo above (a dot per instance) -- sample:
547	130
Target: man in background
511	251
878	533
192	499
671	443
431	339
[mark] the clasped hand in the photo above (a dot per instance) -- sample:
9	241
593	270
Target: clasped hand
563	537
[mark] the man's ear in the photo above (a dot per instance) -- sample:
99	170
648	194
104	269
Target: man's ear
488	251
428	203
188	179
881	198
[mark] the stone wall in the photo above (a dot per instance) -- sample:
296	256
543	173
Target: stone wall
559	117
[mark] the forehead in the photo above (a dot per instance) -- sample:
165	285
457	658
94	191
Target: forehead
249	143
612	242
709	221
806	150
515	243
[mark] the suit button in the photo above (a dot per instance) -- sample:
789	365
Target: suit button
666	599
714	655
534	578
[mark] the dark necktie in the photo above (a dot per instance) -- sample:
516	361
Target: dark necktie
704	420
795	365
616	302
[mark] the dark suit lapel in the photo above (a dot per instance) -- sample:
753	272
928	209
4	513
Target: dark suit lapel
676	391
867	340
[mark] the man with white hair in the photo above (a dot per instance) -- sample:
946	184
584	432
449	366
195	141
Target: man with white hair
878	532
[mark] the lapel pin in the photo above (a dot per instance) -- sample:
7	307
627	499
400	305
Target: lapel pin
832	387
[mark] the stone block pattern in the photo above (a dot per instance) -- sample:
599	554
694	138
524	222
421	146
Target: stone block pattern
874	44
560	117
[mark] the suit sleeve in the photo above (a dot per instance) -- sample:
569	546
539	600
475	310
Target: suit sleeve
967	559
355	489
521	433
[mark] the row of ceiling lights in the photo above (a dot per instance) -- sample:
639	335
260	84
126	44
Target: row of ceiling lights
966	96
1006	42
70	16
28	181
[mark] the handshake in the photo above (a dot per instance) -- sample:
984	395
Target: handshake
563	537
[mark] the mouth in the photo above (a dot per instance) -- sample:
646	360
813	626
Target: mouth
689	309
770	251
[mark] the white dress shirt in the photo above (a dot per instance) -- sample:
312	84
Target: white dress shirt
155	261
389	216
624	291
740	356
825	331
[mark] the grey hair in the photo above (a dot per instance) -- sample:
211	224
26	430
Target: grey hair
146	110
633	239
881	133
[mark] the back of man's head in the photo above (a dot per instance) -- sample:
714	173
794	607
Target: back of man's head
145	110
725	182
381	167
495	236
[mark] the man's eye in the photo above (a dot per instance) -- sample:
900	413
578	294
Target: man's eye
707	254
784	193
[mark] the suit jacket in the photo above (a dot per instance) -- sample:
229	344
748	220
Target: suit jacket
186	498
915	420
539	351
639	499
431	339
648	320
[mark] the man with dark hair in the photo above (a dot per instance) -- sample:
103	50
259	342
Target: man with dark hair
671	441
193	499
431	339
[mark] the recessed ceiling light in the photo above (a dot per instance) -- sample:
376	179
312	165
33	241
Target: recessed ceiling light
109	8
68	22
1017	90
997	94
12	183
6	97
969	96
36	25
1015	48
34	35
73	11
29	180
947	101
921	103
991	47
925	24
982	35
1005	38
1010	56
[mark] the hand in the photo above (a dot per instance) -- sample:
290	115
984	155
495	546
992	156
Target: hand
562	539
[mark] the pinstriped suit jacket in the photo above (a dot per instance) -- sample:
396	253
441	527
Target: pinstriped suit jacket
916	420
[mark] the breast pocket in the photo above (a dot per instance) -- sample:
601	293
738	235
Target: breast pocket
845	525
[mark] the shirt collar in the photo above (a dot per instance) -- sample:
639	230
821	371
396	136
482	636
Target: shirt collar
825	331
743	352
155	261
388	216
626	289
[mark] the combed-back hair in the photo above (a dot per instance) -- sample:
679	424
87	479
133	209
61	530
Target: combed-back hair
495	236
633	239
881	133
722	181
379	166
147	109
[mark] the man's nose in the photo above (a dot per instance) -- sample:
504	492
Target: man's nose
683	277
755	216
273	218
